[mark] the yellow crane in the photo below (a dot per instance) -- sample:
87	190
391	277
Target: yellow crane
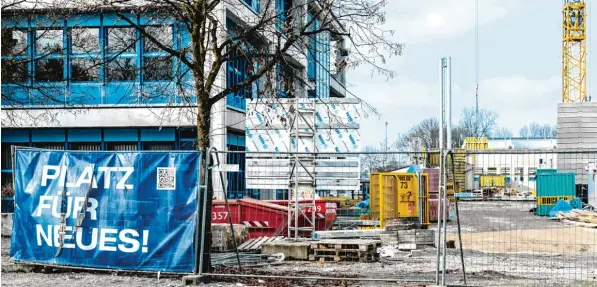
574	51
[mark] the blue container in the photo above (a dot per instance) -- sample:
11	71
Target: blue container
556	184
552	187
546	171
8	204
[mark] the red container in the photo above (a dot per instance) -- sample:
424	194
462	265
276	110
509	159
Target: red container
433	210
433	176
325	213
270	218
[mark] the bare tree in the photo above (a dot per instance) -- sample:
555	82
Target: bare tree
267	44
502	132
425	135
477	124
524	132
536	130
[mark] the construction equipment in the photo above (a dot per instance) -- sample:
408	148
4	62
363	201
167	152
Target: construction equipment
574	52
396	196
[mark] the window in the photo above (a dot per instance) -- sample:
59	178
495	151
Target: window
14	56
158	63
122	65
122	69
161	33
85	53
157	69
49	70
236	180
318	60
49	42
14	70
49	48
253	4
86	146
54	146
84	70
284	13
14	42
6	154
124	146
122	40
85	40
158	145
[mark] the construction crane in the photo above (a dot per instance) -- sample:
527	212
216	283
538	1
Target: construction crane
574	52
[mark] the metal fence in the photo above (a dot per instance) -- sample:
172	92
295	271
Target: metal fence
506	228
497	225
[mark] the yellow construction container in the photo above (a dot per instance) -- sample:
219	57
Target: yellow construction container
476	143
492	181
396	196
459	165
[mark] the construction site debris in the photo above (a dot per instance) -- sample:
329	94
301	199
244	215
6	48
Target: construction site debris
349	223
582	218
345	250
409	239
222	236
348	234
246	259
6	224
255	244
292	249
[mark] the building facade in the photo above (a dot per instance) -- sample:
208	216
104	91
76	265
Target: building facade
73	98
515	167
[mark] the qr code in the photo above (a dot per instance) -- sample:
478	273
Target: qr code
166	178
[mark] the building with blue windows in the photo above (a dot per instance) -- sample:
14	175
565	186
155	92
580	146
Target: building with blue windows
90	81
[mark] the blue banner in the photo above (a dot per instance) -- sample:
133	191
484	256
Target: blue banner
118	210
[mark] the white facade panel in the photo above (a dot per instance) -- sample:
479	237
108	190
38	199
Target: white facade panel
269	129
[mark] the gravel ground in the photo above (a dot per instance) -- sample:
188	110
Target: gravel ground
504	245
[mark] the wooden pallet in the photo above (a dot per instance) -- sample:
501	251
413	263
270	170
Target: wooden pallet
345	250
256	243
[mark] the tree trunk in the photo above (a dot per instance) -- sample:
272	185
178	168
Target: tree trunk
203	127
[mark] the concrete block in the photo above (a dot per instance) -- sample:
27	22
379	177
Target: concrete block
7	224
222	236
292	250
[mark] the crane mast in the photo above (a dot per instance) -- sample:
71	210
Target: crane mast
574	52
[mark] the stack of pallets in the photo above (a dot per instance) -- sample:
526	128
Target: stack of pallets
345	250
410	239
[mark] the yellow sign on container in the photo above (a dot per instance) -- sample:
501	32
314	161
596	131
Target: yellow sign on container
396	195
492	180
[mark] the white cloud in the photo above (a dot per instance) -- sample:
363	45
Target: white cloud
425	20
519	100
404	102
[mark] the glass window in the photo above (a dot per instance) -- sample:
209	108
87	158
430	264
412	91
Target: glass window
14	42
85	40
122	40
49	70
122	69
84	70
157	69
14	71
49	41
161	33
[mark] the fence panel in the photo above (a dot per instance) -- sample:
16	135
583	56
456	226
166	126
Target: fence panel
327	227
503	199
507	230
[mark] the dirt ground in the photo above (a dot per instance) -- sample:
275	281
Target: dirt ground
503	244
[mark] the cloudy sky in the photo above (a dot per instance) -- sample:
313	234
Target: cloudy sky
519	63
